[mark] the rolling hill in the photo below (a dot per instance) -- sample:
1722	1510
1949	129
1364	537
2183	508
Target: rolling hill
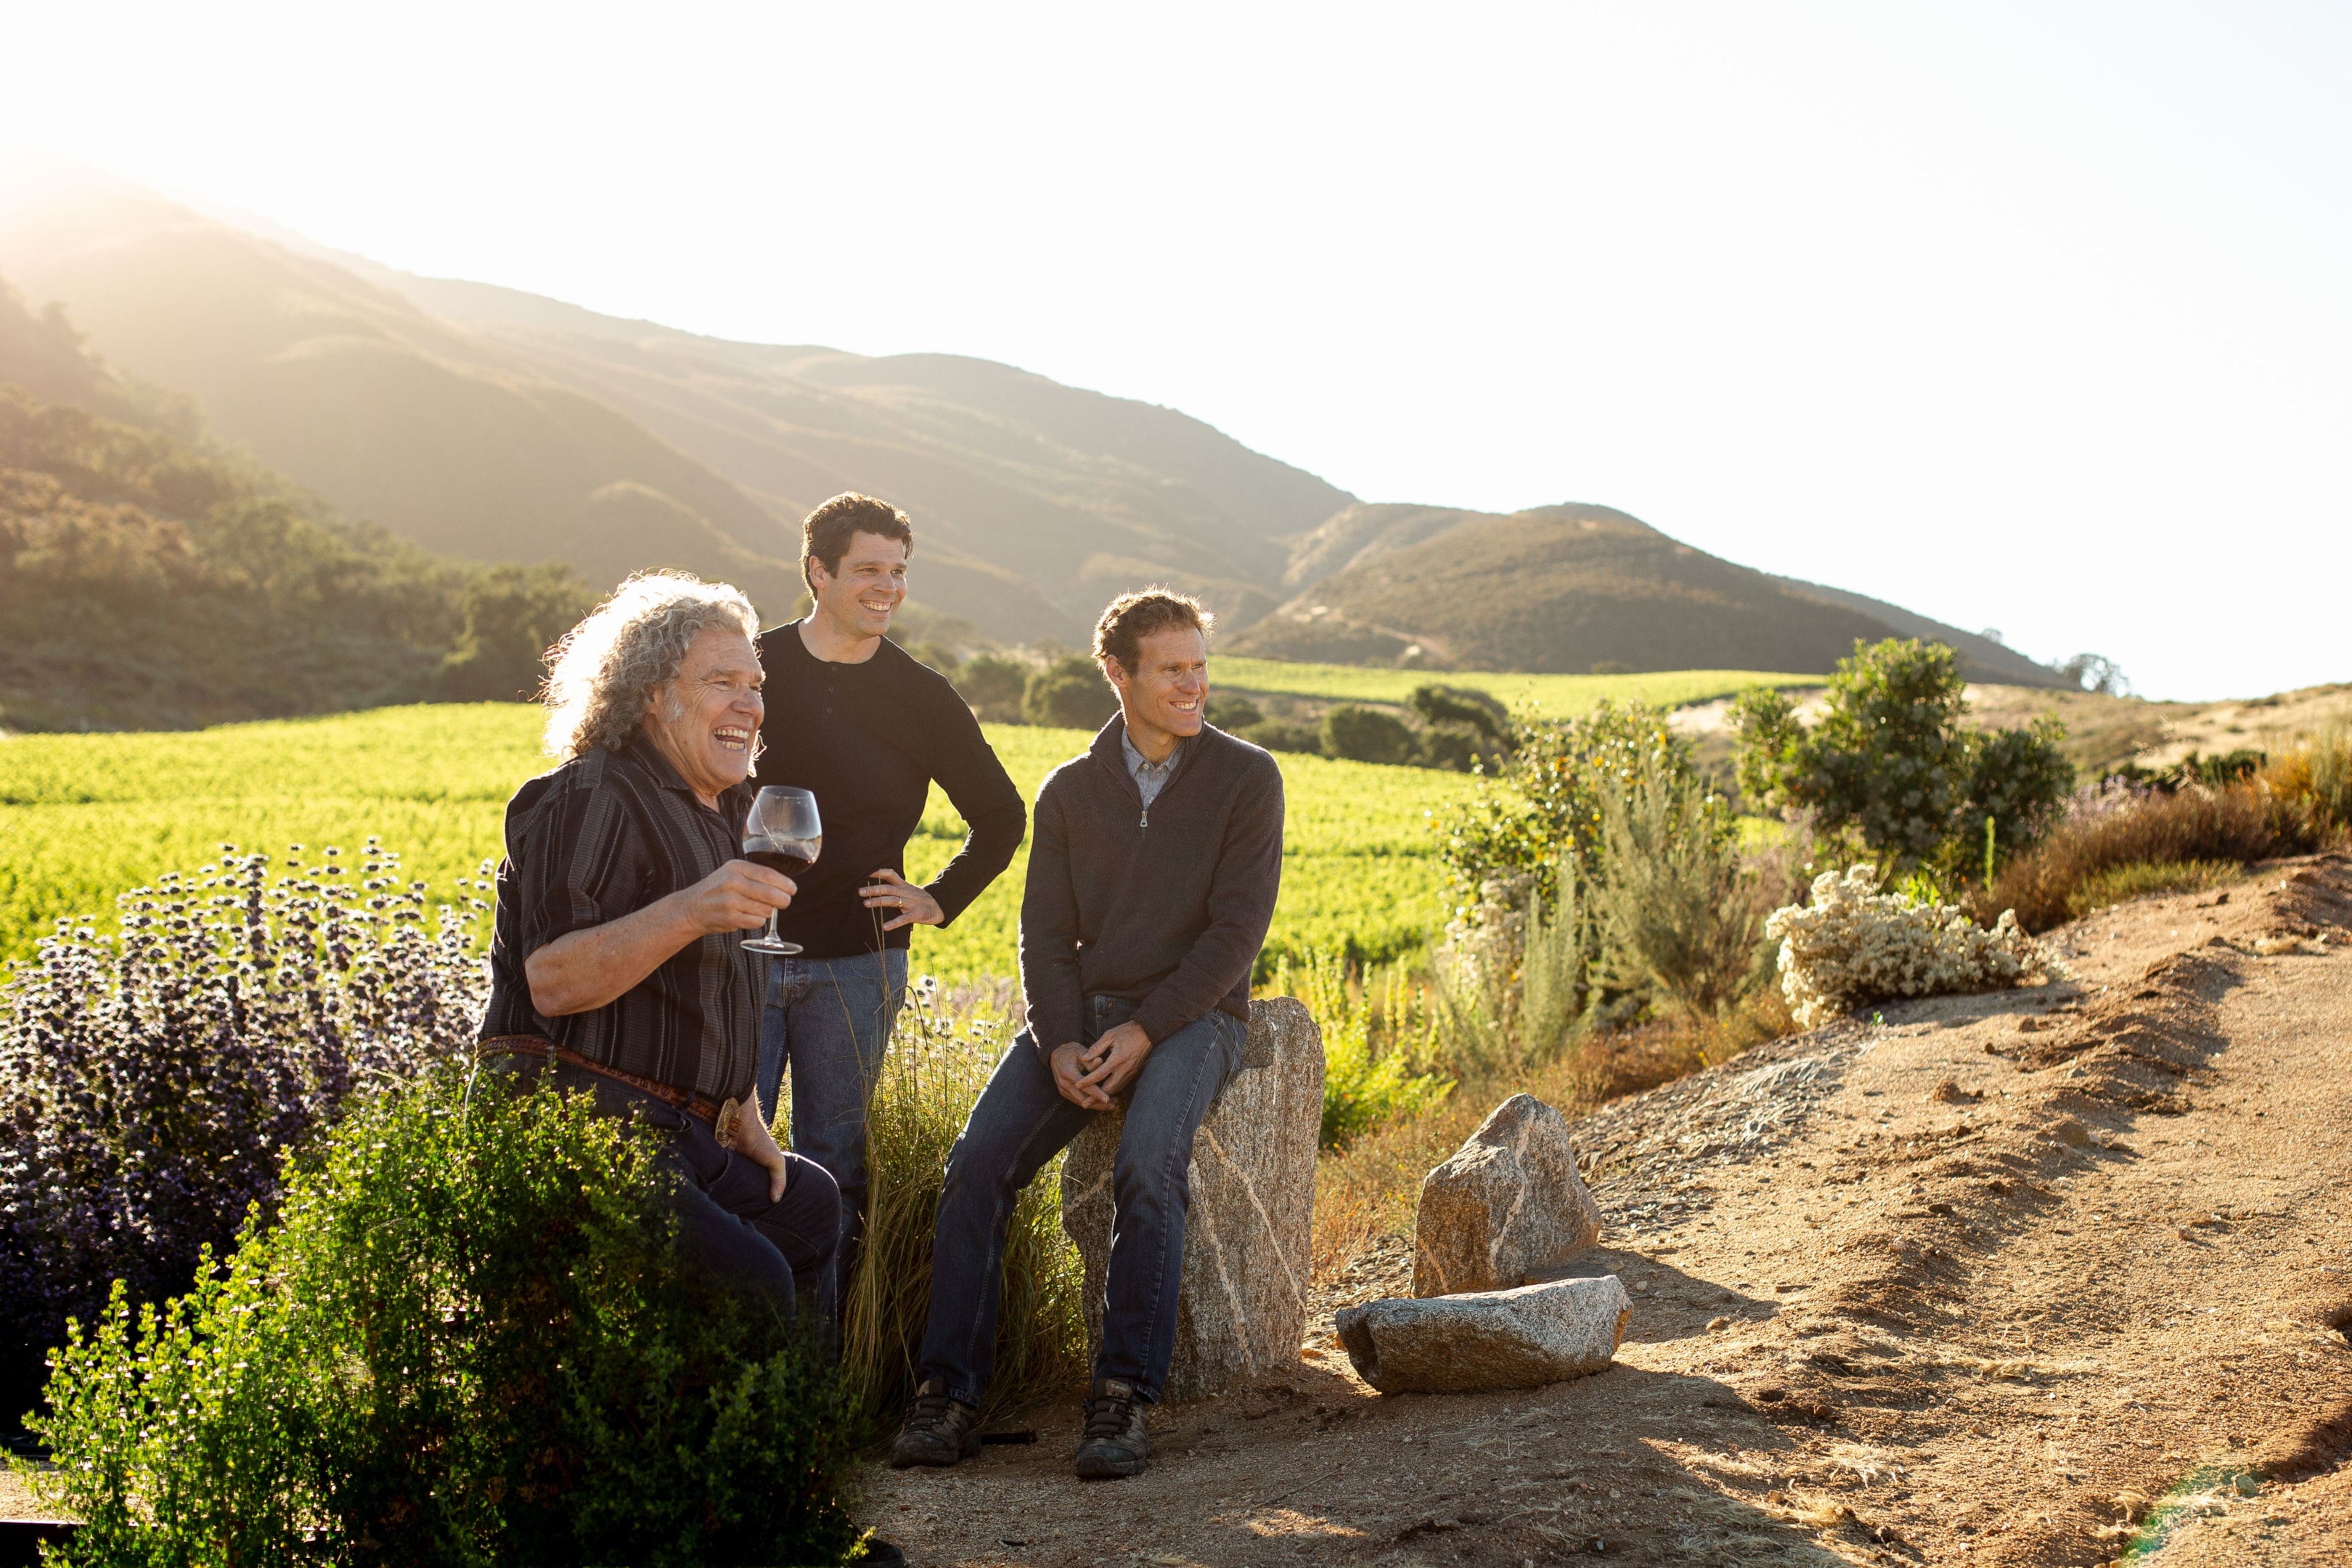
496	425
1565	589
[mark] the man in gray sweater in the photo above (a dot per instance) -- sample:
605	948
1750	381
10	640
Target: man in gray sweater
1152	876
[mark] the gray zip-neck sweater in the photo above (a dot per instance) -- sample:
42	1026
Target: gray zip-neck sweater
1164	908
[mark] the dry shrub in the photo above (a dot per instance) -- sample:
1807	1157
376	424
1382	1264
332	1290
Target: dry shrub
941	1053
1856	944
2316	775
2242	823
2127	882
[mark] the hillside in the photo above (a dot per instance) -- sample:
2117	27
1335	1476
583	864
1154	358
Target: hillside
491	423
148	580
1555	589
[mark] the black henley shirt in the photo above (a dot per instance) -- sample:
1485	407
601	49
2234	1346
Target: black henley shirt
867	740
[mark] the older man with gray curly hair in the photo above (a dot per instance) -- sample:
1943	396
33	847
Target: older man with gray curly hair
615	965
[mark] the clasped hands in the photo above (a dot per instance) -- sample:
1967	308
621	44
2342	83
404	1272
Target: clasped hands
1089	1075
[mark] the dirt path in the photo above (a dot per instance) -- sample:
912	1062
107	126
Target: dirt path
2007	1279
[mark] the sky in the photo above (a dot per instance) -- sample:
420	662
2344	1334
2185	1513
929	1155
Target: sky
2031	317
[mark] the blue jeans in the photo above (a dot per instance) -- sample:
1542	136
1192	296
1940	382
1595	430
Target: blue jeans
830	1018
1021	1122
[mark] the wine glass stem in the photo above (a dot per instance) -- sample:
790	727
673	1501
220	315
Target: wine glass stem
771	923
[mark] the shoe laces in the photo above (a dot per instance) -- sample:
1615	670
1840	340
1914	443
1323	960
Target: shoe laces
932	1412
1108	1414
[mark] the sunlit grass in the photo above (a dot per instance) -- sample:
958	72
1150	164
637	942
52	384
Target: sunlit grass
1554	696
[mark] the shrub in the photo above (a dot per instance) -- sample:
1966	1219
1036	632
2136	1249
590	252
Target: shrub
1283	735
1502	846
1234	714
1362	1086
2316	775
150	1086
1070	694
1462	729
993	687
1364	734
1856	944
2117	826
472	1338
941	1056
1892	764
1674	913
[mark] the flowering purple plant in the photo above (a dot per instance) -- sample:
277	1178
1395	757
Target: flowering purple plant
152	1084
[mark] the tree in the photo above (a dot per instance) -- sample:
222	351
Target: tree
2097	672
1893	763
513	615
1070	693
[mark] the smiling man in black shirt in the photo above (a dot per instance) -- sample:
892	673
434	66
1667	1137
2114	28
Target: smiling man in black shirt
855	720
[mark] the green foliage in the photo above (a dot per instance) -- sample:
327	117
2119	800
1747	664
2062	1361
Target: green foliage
1675	914
1283	735
1464	730
151	1086
514	615
1892	764
993	686
1363	734
90	815
1234	714
2120	883
1069	694
1546	803
470	1339
1364	1085
940	1060
148	582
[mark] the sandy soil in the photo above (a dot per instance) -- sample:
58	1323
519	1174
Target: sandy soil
2001	1279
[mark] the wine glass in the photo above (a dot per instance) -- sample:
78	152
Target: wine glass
782	833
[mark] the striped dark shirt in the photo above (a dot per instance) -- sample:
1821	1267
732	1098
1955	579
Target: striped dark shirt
599	837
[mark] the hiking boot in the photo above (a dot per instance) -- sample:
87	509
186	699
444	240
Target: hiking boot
1116	1442
939	1430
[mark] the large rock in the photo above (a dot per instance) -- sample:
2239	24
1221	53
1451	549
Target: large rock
1247	1239
1507	1209
1489	1338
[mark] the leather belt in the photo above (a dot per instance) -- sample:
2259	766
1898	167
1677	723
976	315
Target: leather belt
720	1118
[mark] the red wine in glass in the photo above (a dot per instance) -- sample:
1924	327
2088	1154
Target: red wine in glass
782	834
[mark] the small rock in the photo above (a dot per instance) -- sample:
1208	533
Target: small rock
1521	1338
1507	1208
1950	1092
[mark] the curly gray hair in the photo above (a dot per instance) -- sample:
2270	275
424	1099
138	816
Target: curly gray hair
605	671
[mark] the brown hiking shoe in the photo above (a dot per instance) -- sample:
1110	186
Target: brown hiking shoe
1116	1442
939	1430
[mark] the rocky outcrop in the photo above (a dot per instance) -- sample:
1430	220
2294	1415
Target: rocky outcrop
1247	1238
1506	1209
1522	1338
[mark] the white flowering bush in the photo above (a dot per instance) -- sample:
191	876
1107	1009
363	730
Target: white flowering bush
1856	944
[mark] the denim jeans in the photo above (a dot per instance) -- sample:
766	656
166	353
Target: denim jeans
830	1019
1021	1122
782	1252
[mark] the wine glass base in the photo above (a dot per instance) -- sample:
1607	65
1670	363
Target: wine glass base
775	946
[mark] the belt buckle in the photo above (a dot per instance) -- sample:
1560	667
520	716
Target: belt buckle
722	1126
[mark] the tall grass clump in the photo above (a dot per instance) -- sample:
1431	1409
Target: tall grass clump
1366	1081
941	1053
470	1337
2120	825
151	1085
2316	774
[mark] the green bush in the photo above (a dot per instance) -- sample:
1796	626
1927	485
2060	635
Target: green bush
993	687
1892	766
1234	714
1364	734
1507	840
1069	694
471	1338
1283	735
1675	916
1363	1086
